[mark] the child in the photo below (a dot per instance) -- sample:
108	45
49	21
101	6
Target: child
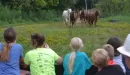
110	51
116	42
76	62
41	59
10	53
100	59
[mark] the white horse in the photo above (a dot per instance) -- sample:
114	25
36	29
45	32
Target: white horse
66	15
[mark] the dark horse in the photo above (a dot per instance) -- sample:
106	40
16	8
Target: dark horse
92	16
82	15
73	17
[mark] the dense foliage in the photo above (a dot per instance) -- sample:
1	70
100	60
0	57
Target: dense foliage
18	11
114	7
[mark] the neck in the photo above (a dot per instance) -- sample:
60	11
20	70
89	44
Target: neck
77	50
99	69
40	47
12	42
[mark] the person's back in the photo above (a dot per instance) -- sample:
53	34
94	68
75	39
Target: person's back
76	62
41	60
12	66
116	42
100	59
111	70
125	51
81	63
118	60
10	54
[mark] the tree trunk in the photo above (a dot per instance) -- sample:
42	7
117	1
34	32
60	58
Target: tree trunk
86	4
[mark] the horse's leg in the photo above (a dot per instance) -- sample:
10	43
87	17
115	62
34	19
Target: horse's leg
92	22
65	21
85	19
70	23
95	21
88	22
73	23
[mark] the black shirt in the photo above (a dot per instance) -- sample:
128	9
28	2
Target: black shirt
111	70
92	71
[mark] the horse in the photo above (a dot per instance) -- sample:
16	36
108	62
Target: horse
66	15
82	16
73	17
92	16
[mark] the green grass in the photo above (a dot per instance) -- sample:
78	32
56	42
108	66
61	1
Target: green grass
58	35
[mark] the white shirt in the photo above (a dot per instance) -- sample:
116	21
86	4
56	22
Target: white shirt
118	60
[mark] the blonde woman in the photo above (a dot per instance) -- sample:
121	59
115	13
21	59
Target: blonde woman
100	59
76	62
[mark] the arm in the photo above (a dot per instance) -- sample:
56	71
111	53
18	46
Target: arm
46	45
58	59
21	57
87	61
26	61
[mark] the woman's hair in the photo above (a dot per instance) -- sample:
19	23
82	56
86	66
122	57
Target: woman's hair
37	40
115	42
110	50
100	58
76	43
9	37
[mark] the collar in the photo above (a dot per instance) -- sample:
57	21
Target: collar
111	62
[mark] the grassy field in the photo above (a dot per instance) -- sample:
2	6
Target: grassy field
58	35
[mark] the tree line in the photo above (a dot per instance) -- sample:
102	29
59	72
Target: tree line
12	11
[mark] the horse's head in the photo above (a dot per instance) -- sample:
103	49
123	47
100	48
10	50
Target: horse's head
97	12
77	14
69	10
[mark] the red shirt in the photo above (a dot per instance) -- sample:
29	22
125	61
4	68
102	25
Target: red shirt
111	62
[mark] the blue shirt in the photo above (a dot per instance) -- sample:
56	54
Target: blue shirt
81	64
12	66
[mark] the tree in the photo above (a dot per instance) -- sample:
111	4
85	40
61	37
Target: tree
113	7
86	4
31	4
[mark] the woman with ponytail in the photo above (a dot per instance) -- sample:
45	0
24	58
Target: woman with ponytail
76	62
41	59
10	54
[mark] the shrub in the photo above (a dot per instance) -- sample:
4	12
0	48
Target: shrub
113	7
9	16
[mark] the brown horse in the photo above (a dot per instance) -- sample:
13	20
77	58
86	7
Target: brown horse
92	16
82	15
73	17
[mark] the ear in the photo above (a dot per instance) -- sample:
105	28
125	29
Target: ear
46	45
